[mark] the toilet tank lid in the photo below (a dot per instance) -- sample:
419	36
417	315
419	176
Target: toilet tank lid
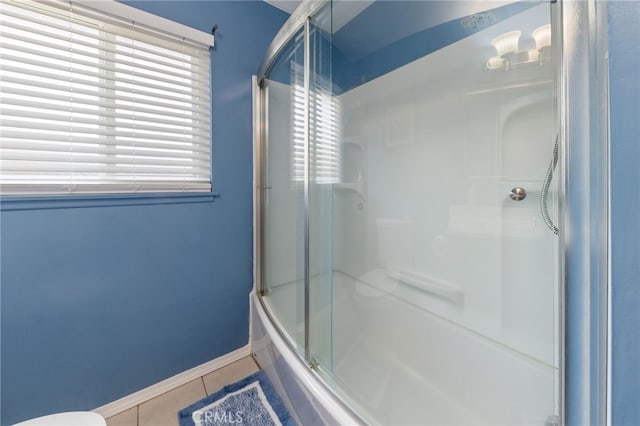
72	418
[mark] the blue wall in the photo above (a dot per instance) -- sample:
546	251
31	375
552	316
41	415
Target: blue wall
624	76
98	302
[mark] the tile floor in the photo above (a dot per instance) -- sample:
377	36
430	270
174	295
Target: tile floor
163	410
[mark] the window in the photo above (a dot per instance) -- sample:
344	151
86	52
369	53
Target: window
90	103
324	124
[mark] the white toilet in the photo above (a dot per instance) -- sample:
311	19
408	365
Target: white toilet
72	418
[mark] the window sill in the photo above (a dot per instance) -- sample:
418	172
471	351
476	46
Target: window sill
43	202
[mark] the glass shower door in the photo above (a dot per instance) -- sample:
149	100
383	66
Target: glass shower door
444	282
324	173
283	208
297	194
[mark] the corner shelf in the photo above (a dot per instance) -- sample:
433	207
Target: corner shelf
356	187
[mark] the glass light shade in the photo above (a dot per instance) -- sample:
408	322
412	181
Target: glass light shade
507	42
542	36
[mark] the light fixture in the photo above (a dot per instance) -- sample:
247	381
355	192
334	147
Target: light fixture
509	56
531	55
495	62
542	36
507	43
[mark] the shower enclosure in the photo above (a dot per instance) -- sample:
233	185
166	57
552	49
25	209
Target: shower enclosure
408	207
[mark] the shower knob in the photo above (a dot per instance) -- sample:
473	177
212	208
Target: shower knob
518	194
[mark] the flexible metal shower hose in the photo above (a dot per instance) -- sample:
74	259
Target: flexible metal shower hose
544	193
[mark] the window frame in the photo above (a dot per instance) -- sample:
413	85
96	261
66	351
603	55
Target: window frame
41	198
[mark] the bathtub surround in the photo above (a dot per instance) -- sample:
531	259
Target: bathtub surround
585	230
416	250
102	298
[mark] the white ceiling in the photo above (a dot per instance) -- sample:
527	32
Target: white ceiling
286	5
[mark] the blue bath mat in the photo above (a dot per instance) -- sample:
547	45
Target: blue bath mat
251	401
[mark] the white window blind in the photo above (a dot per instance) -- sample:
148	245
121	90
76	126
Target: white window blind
324	127
91	103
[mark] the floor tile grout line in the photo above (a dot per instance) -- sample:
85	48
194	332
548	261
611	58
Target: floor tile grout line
206	392
202	380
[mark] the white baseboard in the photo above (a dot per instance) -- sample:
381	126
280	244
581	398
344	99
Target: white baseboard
130	401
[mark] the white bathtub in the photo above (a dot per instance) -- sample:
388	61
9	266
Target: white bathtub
307	399
418	373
